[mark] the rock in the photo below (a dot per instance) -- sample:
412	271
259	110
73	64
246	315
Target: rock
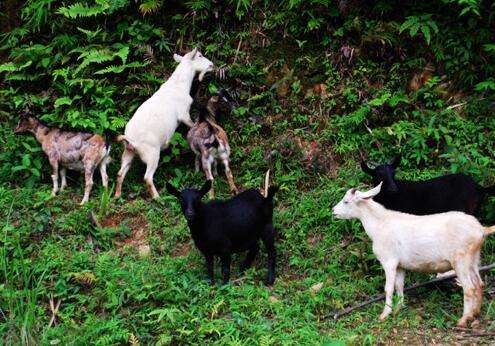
316	287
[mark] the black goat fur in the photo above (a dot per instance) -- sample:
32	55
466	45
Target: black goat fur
223	227
452	192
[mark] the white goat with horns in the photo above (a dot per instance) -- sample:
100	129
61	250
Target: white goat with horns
151	128
430	243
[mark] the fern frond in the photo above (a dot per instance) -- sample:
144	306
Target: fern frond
118	122
121	68
149	6
82	10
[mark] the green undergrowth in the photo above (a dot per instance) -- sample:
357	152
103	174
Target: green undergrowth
109	293
321	84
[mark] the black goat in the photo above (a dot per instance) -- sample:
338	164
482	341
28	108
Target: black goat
220	228
450	192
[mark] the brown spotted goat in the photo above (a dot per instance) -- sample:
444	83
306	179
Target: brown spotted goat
78	151
208	140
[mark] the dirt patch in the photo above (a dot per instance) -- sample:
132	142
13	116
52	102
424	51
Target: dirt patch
181	249
139	232
314	156
313	240
435	336
111	221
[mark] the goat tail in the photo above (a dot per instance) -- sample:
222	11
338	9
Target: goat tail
488	230
127	144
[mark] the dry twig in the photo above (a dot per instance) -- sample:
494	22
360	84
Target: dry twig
336	315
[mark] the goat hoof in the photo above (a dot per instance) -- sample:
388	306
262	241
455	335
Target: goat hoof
384	316
462	323
270	281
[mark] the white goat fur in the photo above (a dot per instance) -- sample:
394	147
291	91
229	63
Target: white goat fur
431	243
151	128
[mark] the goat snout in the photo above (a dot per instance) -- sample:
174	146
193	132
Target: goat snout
189	214
392	187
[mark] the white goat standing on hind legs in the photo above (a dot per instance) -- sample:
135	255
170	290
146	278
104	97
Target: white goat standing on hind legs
430	243
151	128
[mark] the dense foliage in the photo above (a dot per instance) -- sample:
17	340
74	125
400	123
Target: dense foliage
321	85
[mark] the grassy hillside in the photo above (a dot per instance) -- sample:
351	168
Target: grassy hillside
321	85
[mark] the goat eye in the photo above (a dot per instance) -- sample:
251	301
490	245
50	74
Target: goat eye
345	202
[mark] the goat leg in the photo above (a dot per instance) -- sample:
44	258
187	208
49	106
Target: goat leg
206	161
470	285
226	259
215	168
390	274
63	177
88	175
229	175
209	268
127	157
399	286
187	120
269	242
197	163
251	255
103	173
54	164
151	158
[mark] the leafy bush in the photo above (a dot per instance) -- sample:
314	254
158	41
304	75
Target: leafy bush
321	85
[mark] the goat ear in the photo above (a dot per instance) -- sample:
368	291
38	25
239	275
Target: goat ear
192	54
366	169
396	161
371	193
177	58
205	188
172	190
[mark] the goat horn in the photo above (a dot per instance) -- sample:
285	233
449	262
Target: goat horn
267	180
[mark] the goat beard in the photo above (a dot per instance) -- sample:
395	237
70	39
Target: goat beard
201	75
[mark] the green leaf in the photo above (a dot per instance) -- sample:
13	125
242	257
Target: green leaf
63	101
26	160
489	84
426	33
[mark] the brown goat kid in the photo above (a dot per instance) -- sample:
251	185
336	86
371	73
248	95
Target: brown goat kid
209	142
78	151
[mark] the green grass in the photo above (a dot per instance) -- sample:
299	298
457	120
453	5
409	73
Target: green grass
138	279
111	295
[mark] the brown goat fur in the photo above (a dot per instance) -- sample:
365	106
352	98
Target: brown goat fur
209	142
78	151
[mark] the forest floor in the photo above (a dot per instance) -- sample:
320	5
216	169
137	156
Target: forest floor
138	277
